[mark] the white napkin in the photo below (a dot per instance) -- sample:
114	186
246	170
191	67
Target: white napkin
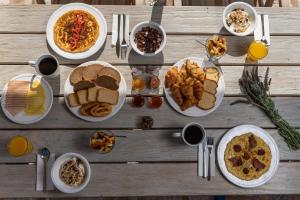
258	29
213	161
114	31
40	172
126	36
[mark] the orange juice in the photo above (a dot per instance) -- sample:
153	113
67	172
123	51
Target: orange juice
257	50
19	146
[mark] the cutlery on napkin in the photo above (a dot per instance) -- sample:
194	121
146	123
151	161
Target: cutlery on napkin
114	31
40	172
258	32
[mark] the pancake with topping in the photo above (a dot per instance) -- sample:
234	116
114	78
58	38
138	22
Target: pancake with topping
76	31
247	157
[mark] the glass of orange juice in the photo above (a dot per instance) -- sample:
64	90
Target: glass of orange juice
19	146
257	51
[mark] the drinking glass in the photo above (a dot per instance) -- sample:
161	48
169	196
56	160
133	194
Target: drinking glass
257	51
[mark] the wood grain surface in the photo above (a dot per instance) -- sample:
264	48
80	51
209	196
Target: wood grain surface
176	19
31	46
142	180
165	166
226	116
131	145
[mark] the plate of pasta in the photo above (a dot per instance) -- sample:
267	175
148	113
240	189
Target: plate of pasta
76	31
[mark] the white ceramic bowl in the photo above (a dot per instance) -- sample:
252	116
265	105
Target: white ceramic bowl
59	184
251	12
139	27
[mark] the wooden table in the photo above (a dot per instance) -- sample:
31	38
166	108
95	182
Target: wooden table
150	162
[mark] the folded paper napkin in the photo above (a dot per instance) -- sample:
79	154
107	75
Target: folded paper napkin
40	172
258	29
213	161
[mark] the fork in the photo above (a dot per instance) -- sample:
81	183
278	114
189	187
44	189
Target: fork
124	44
210	146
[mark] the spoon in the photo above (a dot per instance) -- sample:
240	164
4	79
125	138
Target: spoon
45	154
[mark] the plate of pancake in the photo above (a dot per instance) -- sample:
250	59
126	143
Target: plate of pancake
194	87
76	31
248	156
95	91
27	99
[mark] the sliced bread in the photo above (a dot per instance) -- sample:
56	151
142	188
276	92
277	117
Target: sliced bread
212	73
107	82
92	94
82	96
73	101
108	96
207	101
108	71
76	75
81	85
90	72
210	86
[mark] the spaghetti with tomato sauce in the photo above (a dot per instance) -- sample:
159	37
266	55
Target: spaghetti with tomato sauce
76	31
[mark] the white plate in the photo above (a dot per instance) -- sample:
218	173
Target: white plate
59	184
21	118
196	111
266	137
77	6
76	110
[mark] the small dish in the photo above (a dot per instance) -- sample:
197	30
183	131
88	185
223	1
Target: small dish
55	173
248	9
150	24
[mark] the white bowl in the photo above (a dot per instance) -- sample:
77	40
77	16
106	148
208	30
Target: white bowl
59	184
139	27
251	12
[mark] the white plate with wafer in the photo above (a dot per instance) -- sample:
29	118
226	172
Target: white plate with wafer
195	111
20	116
69	89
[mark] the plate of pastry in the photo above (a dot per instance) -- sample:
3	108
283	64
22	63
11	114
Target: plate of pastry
194	87
76	31
248	156
26	99
95	91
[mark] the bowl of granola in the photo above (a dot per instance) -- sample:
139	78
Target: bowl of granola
240	18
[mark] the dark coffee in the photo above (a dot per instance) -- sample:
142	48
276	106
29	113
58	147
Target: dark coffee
193	134
48	66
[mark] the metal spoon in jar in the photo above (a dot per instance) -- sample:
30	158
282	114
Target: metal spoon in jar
45	154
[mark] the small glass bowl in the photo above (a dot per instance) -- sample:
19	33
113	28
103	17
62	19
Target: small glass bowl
214	58
103	141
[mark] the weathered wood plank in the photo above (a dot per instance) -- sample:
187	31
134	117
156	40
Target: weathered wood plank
226	116
176	19
142	180
285	79
178	46
137	146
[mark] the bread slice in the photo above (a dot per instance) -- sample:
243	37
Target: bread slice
207	101
212	73
82	96
76	75
73	101
92	94
107	82
90	72
82	85
108	71
108	96
210	86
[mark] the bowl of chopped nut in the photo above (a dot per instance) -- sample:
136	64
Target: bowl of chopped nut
240	18
148	38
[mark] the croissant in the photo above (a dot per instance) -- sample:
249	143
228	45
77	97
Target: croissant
175	91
